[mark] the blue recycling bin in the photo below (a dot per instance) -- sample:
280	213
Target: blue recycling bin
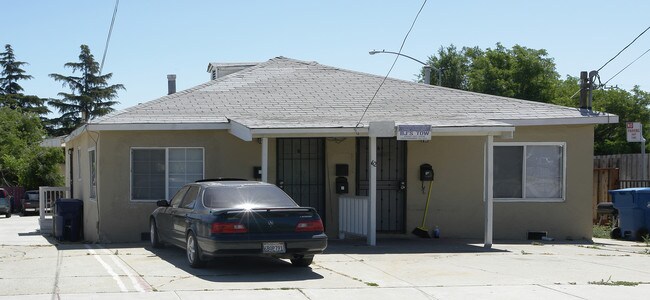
68	219
633	211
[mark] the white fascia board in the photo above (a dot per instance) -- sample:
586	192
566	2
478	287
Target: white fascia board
470	131
309	132
148	126
241	131
608	119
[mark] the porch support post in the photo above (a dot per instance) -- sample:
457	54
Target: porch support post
489	195
372	191
265	159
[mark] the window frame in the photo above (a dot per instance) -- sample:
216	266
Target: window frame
92	184
525	145
166	170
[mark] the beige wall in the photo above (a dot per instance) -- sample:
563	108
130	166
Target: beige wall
80	179
456	201
225	156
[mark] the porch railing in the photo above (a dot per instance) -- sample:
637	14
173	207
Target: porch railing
47	197
353	216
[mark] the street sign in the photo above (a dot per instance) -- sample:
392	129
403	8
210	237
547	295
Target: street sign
634	133
414	132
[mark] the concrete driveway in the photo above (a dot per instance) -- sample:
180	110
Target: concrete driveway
35	267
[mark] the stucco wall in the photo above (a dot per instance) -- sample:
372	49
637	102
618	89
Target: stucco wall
125	220
456	201
80	180
457	195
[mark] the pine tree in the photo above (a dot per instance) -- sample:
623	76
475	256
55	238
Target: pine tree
11	93
90	95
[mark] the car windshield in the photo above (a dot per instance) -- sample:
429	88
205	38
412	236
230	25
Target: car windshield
32	196
246	197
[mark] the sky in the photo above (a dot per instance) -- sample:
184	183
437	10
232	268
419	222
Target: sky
151	39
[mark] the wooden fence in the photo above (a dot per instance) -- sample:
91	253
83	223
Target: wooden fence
617	172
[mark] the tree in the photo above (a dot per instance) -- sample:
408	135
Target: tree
519	72
22	161
453	65
10	90
90	95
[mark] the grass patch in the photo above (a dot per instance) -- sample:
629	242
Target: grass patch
614	283
371	284
602	231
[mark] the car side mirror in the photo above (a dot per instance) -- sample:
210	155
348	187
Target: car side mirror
162	203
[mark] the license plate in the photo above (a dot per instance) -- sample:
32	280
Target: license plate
273	248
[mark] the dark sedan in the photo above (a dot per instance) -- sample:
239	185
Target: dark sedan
237	218
31	202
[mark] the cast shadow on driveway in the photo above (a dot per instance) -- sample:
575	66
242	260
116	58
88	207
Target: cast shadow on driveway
238	269
409	246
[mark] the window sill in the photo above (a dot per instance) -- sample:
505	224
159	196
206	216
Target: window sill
530	200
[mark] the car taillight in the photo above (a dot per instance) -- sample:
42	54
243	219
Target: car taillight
311	226
221	227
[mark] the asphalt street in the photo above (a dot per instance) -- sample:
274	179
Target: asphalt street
33	266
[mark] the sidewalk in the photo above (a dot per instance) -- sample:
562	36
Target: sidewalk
31	267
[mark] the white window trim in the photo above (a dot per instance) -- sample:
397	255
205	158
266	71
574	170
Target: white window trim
535	200
79	177
90	175
166	169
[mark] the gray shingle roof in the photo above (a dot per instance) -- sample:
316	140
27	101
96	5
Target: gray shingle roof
287	93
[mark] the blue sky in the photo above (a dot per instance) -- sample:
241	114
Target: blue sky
154	38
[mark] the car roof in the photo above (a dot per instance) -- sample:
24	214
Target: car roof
232	183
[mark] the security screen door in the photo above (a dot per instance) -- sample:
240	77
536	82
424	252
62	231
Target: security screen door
391	182
301	171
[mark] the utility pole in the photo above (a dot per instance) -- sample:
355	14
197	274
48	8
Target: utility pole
587	87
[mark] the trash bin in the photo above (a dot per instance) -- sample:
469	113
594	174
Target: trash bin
633	211
68	219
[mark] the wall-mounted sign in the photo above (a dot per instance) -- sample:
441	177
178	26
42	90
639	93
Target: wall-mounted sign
634	133
414	132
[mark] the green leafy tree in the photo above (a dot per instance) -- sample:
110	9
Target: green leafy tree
22	161
630	106
453	65
11	92
519	72
91	96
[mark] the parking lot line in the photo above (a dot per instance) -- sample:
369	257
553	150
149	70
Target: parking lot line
108	269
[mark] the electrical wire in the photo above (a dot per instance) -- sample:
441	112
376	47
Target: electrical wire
619	72
392	66
615	56
628	45
108	38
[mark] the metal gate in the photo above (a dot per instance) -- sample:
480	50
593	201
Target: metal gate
301	171
391	182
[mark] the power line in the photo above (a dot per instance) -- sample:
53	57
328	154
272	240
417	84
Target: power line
108	38
628	45
393	65
619	72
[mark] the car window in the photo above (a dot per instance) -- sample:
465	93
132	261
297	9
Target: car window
246	197
190	197
176	200
32	196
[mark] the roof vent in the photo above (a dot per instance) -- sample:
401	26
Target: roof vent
171	84
218	70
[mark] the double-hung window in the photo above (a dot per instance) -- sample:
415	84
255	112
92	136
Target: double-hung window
158	173
529	171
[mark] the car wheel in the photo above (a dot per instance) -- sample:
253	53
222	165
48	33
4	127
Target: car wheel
8	215
155	239
193	251
302	261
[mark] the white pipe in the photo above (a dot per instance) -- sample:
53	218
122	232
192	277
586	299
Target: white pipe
265	159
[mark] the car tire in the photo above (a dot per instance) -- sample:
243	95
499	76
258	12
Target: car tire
8	215
302	261
193	251
154	237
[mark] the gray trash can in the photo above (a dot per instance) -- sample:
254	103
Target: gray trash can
68	219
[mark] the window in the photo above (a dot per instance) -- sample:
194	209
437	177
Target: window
78	164
92	162
530	171
158	173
